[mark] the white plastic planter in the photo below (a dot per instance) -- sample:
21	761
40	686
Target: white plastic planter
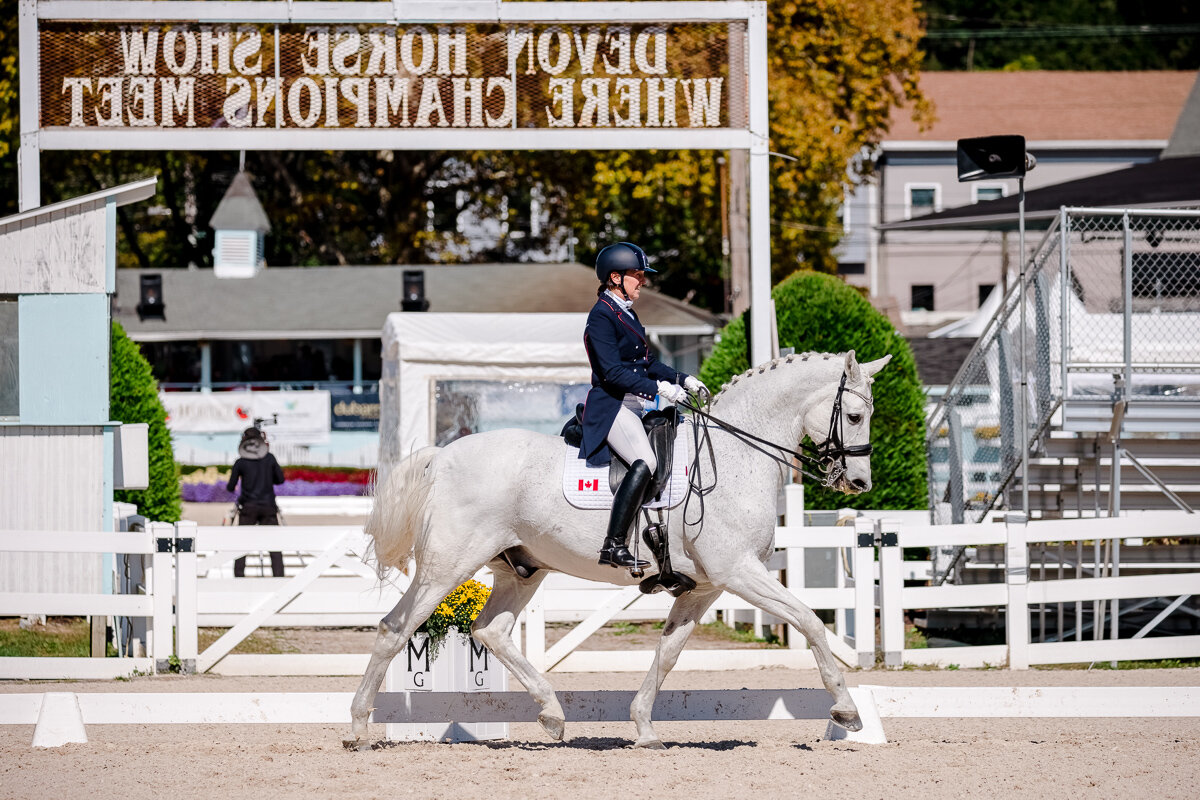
462	665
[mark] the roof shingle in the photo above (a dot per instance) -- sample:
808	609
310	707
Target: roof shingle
1049	105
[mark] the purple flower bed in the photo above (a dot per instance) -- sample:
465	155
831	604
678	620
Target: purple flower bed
216	492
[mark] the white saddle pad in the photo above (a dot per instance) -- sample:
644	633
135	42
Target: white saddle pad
587	487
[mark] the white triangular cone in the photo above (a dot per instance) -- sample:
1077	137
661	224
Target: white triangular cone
60	721
868	712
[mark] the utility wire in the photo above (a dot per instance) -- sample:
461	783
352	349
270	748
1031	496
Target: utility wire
1063	32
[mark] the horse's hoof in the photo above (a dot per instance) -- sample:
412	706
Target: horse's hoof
846	717
356	745
555	727
650	744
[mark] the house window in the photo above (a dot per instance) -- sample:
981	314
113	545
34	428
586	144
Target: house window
10	385
922	297
982	192
985	290
922	198
852	268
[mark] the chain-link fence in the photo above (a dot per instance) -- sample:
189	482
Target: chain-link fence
1126	329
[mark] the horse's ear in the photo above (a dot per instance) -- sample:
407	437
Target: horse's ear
872	367
853	372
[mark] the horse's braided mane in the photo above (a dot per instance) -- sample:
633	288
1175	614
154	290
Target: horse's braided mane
772	364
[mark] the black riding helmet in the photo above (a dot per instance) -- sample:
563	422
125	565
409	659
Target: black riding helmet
621	257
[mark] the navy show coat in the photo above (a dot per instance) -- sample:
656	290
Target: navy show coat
622	364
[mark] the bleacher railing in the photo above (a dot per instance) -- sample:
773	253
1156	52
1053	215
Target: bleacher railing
1122	332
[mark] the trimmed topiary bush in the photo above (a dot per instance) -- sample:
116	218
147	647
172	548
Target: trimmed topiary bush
133	397
820	313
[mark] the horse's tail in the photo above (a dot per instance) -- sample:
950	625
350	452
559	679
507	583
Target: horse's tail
398	514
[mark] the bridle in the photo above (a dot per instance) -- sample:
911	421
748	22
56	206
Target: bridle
828	458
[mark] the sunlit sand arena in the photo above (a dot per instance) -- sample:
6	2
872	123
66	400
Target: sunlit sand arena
933	758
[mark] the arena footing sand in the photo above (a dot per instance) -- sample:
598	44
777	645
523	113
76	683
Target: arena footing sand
703	761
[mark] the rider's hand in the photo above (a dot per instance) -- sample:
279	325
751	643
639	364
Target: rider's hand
696	387
671	392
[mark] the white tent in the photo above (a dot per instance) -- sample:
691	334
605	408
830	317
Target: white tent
476	372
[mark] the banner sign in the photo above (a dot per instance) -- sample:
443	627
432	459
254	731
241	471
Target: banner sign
354	412
297	76
301	417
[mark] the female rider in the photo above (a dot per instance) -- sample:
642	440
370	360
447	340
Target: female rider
625	379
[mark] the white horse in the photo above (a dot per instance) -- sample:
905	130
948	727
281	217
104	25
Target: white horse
460	507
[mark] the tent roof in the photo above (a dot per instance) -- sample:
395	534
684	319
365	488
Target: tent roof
354	302
1169	183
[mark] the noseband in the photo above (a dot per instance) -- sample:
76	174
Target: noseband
831	454
827	458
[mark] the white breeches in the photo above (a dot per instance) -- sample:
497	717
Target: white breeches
627	438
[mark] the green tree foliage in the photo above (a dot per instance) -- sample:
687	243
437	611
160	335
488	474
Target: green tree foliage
9	132
838	70
820	313
133	397
1062	34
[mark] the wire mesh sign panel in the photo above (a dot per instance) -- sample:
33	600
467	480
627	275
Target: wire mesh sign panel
193	75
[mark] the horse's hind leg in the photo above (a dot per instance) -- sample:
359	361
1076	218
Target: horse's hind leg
395	630
493	627
755	585
681	621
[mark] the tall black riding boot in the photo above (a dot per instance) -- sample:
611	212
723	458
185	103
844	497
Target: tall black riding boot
626	503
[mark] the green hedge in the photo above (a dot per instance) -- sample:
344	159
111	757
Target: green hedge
133	396
820	313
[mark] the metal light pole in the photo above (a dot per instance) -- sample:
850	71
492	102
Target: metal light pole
1024	371
1005	157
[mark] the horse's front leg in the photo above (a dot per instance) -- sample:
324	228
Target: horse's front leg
394	632
754	584
493	627
685	613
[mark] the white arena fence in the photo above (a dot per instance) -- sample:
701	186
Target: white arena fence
1101	586
152	604
188	584
61	717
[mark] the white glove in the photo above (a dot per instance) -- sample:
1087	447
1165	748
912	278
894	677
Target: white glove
696	386
671	392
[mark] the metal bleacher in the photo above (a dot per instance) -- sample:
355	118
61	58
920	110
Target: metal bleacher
1102	340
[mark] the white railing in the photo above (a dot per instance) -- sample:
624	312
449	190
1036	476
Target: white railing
1017	595
596	605
154	605
345	592
187	586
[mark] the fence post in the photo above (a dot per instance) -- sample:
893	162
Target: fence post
162	535
891	584
864	592
793	495
187	644
535	629
1016	575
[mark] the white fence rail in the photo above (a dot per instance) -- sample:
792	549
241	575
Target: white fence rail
187	586
1018	596
154	605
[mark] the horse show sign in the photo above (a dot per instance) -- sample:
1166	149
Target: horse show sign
296	76
405	74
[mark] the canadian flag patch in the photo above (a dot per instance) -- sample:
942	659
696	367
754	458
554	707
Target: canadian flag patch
589	486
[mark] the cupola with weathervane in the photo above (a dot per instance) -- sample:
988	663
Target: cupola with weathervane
240	225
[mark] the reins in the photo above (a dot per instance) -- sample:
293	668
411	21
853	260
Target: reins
828	459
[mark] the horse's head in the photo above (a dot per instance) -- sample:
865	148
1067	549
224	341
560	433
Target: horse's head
840	424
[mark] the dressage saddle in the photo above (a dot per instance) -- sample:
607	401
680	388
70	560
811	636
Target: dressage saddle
660	430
